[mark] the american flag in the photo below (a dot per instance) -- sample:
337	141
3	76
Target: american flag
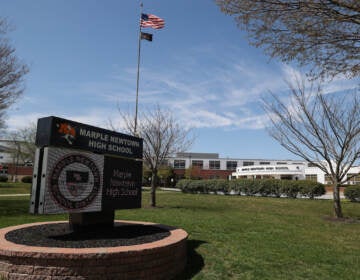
148	20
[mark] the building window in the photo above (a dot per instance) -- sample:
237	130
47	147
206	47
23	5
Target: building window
328	180
248	163
197	163
264	162
179	164
311	177
311	165
231	165
4	170
354	180
279	163
214	164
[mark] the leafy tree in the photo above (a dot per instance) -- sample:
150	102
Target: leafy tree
321	33
163	136
166	175
146	176
193	172
11	73
322	129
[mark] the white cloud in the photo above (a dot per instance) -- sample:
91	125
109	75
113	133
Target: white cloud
223	94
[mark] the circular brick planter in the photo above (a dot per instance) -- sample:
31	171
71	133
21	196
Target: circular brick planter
162	259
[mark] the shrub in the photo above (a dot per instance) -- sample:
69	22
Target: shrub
264	187
199	186
311	189
183	185
220	185
193	186
3	178
352	193
26	179
269	187
290	188
248	187
235	185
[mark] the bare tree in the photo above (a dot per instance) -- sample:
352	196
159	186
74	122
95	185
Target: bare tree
321	33
163	136
24	139
322	129
22	146
11	73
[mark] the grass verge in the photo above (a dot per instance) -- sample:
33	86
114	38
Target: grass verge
245	237
14	188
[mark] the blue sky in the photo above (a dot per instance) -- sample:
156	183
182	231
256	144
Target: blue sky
83	59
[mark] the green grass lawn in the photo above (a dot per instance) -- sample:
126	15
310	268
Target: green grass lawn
14	188
244	237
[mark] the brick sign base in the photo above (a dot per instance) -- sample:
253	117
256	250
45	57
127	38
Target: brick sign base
163	259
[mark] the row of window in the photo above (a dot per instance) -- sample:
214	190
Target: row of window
249	163
213	164
230	164
355	178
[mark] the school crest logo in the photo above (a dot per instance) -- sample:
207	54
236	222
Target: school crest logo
75	182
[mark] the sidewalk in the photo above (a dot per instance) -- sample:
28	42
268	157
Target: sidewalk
329	195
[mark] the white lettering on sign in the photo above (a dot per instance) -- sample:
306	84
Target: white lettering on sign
125	142
116	148
106	142
97	145
121	175
119	192
94	135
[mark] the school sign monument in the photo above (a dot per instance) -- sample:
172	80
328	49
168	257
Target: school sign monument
88	172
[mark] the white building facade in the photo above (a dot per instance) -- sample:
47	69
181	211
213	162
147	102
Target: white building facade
293	171
211	166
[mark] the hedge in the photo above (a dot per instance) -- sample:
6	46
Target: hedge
352	193
268	187
26	179
3	178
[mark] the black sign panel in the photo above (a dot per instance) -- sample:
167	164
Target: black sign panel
122	183
58	132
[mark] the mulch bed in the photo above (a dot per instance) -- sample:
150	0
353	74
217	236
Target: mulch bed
60	235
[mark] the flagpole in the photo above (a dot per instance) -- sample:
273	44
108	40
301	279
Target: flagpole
138	74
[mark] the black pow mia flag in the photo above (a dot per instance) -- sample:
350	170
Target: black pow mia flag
146	36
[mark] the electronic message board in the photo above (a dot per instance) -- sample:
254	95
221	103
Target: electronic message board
73	176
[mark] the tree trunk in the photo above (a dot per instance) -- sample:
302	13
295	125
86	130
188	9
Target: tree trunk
337	204
153	190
